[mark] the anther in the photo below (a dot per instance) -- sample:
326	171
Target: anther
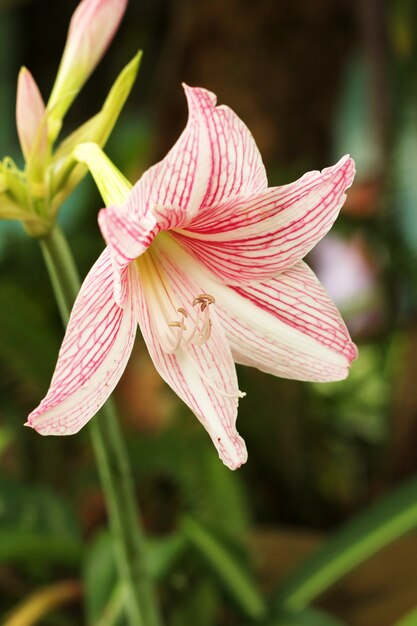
204	299
177	325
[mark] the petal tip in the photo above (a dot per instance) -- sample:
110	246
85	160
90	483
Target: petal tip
199	98
232	452
354	352
347	165
32	422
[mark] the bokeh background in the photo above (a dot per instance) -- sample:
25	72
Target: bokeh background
313	80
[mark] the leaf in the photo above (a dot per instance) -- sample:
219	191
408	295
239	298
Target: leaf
104	595
30	508
100	577
410	619
213	494
27	547
308	617
199	607
382	523
163	553
36	525
42	602
229	571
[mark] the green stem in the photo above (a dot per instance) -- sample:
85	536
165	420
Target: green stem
111	455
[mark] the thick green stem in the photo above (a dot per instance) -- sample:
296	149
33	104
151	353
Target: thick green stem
111	455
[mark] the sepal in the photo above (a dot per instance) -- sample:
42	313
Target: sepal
112	185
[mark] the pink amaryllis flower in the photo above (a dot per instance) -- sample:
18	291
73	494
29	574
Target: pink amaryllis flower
207	260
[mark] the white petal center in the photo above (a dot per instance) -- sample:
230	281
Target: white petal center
179	320
177	323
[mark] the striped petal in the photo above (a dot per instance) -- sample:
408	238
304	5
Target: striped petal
93	356
287	326
215	158
255	238
128	235
203	376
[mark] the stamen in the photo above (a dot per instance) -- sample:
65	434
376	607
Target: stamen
198	335
181	328
204	299
201	329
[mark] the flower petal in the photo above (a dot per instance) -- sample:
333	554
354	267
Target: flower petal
256	237
215	157
287	326
93	356
128	235
203	376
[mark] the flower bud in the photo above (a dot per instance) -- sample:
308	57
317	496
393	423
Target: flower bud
30	117
91	30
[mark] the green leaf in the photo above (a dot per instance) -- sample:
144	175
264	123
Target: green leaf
229	572
200	607
33	509
24	547
104	595
410	619
36	526
379	525
100	579
308	617
214	495
163	553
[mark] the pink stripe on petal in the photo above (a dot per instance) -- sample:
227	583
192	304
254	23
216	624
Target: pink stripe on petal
204	376
126	236
236	164
129	234
255	238
214	158
298	299
93	355
287	326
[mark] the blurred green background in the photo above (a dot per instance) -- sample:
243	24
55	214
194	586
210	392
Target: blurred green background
313	80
